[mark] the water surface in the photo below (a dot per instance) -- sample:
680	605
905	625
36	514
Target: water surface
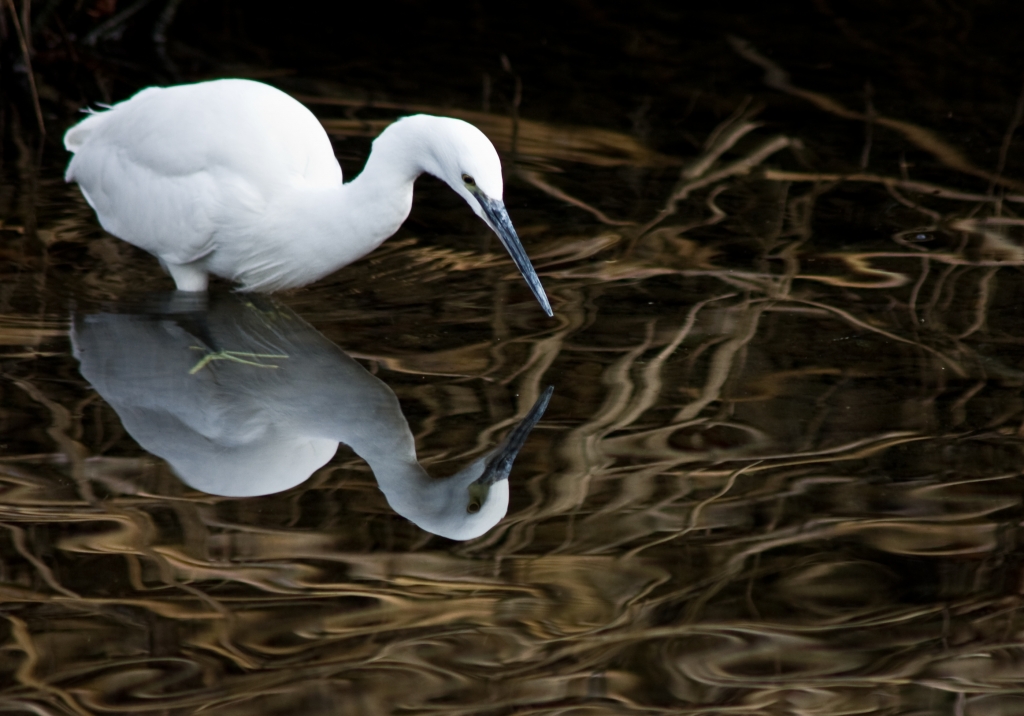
780	472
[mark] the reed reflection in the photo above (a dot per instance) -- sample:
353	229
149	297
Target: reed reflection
243	398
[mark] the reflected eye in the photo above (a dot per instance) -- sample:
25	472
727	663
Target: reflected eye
477	496
470	181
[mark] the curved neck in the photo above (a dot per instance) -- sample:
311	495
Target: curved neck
340	224
400	154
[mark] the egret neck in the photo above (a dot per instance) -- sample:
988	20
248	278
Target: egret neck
330	227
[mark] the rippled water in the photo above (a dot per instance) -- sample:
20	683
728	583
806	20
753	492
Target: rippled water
780	470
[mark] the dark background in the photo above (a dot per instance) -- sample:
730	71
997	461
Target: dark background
882	578
651	68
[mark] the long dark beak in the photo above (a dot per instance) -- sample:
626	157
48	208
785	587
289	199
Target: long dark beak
497	217
499	464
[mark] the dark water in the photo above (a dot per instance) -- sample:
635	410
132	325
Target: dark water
781	469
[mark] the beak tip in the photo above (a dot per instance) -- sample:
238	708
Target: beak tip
533	281
497	218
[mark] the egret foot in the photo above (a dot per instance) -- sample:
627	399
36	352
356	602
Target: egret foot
235	357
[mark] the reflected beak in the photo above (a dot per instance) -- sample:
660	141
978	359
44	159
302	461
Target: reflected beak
499	462
497	218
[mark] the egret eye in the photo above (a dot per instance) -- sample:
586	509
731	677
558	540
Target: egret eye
470	181
477	497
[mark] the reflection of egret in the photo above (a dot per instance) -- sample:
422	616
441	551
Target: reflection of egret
237	179
257	426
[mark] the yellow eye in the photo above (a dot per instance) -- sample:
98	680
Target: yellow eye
477	497
470	181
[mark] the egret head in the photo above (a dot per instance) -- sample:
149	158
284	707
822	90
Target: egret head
464	158
463	506
471	501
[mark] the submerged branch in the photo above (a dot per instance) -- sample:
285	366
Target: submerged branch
922	138
918	187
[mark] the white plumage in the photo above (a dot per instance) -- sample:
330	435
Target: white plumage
269	406
237	179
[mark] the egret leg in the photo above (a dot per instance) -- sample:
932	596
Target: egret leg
187	277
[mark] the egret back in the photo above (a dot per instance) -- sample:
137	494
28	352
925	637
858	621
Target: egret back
172	169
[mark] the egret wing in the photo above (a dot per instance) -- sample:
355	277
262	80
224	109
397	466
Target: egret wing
175	170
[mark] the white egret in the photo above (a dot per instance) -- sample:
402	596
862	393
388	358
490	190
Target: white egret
237	179
269	405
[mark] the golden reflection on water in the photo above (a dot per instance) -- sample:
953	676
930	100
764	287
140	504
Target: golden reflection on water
780	472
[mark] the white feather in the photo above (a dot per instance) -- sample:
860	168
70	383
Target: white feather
237	179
